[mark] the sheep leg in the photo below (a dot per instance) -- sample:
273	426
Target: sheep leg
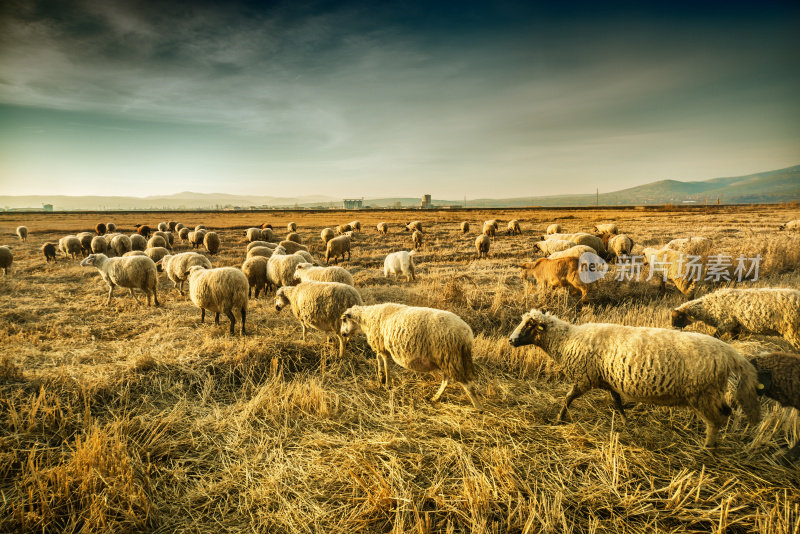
303	325
383	357
713	418
110	291
155	295
573	394
618	406
244	317
216	318
231	317
445	382
202	315
469	389
341	345
134	295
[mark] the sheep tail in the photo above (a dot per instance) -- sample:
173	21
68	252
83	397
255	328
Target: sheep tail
747	390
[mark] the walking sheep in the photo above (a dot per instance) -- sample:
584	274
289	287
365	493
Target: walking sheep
133	272
482	246
22	233
307	272
211	242
767	311
6	259
319	305
49	251
338	246
327	234
417	237
221	290
398	263
653	365
554	229
554	273
465	227
779	376
383	228
513	227
255	269
176	266
419	339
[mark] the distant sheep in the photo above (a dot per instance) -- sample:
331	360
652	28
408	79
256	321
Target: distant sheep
156	241
171	225
86	242
183	233
211	242
397	263
294	236
261	244
177	265
254	234
414	225
99	245
513	227
550	246
255	269
6	259
111	227
343	229
49	251
326	235
605	228
136	272
71	246
482	245
554	273
573	252
196	238
465	227
22	233
308	272
356	226
200	227
779	378
221	290
489	229
791	225
652	365
417	237
262	252
138	242
156	253
291	227
143	230
100	229
178	228
767	311
163	226
338	246
292	247
383	228
554	229
419	339
268	235
319	305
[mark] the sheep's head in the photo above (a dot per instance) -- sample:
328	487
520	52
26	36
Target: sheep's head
301	267
526	271
534	325
89	260
194	269
349	325
681	318
281	299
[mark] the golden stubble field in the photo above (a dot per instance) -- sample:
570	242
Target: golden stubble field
125	418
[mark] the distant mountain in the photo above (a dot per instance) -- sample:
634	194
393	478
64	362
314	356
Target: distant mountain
782	185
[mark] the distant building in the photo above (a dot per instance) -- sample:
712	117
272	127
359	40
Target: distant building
47	207
353	203
425	203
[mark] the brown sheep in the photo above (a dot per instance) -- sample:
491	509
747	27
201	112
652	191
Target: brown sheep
560	272
49	251
100	229
779	379
417	237
143	230
265	226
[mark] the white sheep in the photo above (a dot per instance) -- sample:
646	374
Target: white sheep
99	245
121	244
221	290
414	225
417	238
767	311
401	262
338	246
652	365
307	257
138	242
619	245
383	228
163	226
482	245
110	227
356	226
135	253
419	339
294	236
790	225
690	245
211	242
549	246
319	305
292	247
264	252
291	227
581	238
6	259
554	229
183	233
307	272
196	238
22	233
513	227
70	245
261	244
176	266
200	227
605	228
281	268
86	242
254	234
255	269
573	252
464	227
156	241
268	235
156	253
134	272
489	229
326	235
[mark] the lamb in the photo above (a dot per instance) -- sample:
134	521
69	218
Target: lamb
616	246
110	227
176	266
261	244
255	269
690	245
465	227
573	252
211	242
183	233
482	246
292	247
383	228
338	246
398	263
791	225
356	226
550	246
121	244
291	227
7	258
560	272
779	379
605	228
294	236
49	251
320	305
414	225
86	242
513	227
305	272
343	229
489	229
654	365
156	241
554	229
281	268
22	233
143	230
138	242
221	290
263	252
155	253
99	245
196	238
326	235
100	228
768	311
254	234
417	237
70	245
419	339
136	272
163	226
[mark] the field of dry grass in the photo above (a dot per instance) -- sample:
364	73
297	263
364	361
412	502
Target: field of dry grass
133	419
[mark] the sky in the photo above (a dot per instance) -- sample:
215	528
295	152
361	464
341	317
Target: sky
351	99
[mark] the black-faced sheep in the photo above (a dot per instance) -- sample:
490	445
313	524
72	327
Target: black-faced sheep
560	272
652	365
307	272
221	290
482	245
255	269
49	251
338	246
419	339
22	233
135	272
6	259
779	379
768	311
176	266
211	242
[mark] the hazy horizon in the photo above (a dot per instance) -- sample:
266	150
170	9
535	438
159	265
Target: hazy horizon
354	99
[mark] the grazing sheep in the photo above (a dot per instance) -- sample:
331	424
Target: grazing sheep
554	229
308	272
200	227
356	226
489	229
414	225
383	228
211	242
465	227
617	245
653	365
281	268
605	228
482	246
143	230
513	227
86	242
221	290
176	266
262	252
100	229
163	226
135	253
292	247
779	376
551	246
791	225
560	272
183	233
254	234
291	227
265	226
138	242
343	229
327	234
156	253
170	237
573	252
178	227
417	237
338	246
294	236
111	227
681	270
261	244
690	245
70	245
49	251
268	235
135	272
196	238
99	245
156	241
419	339
588	240
6	259
171	225
22	233
398	263
768	311
255	269
320	305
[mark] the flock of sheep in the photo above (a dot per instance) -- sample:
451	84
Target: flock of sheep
634	364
